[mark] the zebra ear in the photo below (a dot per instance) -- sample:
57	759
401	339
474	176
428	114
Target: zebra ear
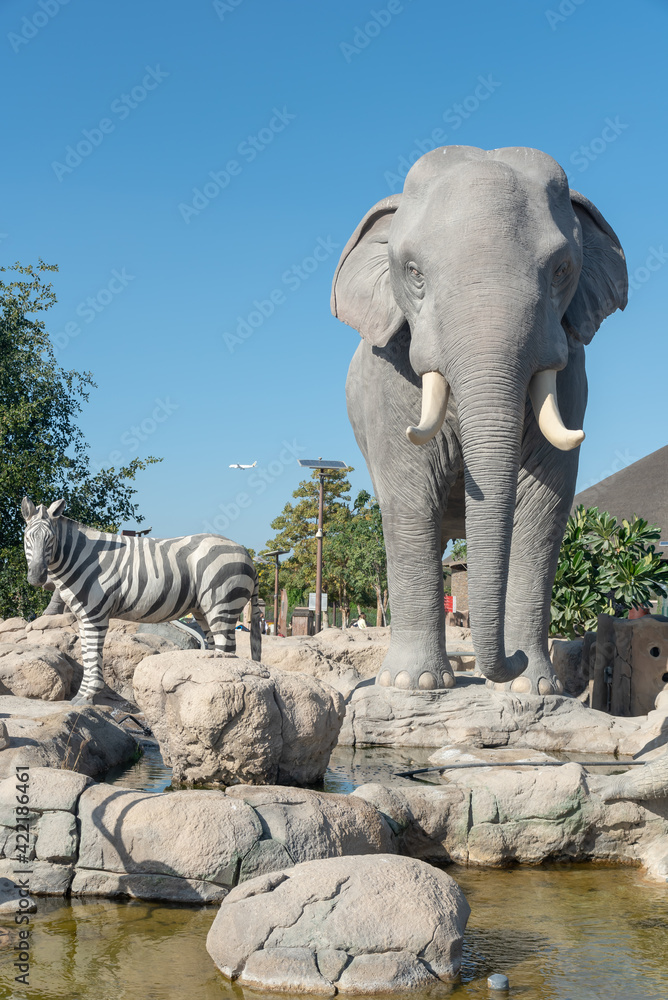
28	508
56	508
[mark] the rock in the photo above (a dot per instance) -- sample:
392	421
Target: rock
45	878
176	636
312	825
59	735
381	924
30	672
125	646
48	788
449	755
200	835
311	713
122	655
57	838
10	895
475	715
223	720
162	888
11	627
47	623
497	816
569	665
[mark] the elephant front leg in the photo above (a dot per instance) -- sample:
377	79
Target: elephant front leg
416	658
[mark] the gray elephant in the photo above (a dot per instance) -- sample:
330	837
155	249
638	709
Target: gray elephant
474	292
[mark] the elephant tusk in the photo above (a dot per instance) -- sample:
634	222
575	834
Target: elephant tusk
543	393
435	395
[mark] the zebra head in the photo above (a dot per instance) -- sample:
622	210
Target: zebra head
39	538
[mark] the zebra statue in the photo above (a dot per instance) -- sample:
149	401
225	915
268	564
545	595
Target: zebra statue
101	575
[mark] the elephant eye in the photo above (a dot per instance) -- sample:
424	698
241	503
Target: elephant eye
562	271
414	272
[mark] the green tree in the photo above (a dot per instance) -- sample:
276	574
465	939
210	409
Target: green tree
296	526
367	560
604	568
459	550
43	454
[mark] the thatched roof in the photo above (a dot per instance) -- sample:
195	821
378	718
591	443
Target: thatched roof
641	488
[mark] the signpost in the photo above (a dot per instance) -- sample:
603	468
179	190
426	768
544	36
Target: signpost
321	466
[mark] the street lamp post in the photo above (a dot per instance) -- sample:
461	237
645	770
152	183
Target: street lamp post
276	553
317	463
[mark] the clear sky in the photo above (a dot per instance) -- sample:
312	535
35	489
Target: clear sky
195	169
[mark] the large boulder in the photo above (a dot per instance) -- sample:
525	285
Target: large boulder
35	672
477	715
380	924
304	825
59	735
222	720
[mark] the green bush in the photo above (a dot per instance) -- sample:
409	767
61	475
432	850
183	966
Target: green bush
604	568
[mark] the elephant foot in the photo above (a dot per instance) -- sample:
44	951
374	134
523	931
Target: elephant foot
538	678
406	671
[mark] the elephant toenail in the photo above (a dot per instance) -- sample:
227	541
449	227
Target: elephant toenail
385	679
559	687
545	686
427	681
521	685
403	680
448	679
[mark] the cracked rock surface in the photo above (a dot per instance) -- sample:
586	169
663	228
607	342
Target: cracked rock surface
371	924
222	720
479	716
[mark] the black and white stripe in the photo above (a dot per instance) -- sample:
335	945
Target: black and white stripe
101	576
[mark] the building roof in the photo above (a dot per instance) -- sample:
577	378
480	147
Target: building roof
641	488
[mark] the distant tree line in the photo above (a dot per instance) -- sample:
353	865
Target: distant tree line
354	561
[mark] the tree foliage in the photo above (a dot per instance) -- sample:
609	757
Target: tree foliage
604	568
43	453
354	562
459	550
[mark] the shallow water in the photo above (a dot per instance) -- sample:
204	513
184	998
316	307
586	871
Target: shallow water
349	768
580	932
559	932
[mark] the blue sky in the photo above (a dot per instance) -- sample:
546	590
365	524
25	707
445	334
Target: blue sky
220	155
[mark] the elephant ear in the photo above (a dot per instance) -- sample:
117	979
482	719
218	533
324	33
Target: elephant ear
603	284
361	292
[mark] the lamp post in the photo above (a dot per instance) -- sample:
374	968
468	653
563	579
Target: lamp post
317	463
276	553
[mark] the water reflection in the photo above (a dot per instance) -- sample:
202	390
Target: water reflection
580	932
349	767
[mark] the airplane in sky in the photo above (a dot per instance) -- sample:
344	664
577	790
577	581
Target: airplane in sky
238	466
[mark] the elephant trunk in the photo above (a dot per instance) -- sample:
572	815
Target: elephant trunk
491	405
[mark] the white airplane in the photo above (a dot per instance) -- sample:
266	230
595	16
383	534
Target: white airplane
238	466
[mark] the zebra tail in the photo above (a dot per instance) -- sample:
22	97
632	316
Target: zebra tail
255	633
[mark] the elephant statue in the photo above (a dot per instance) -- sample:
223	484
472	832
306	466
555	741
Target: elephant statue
475	291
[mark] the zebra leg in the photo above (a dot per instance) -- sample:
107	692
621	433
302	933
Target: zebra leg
92	643
204	625
222	623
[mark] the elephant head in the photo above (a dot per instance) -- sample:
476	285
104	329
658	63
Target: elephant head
494	264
